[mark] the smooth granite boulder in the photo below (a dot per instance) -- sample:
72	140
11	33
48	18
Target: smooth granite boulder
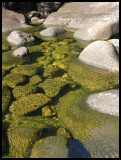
101	54
22	51
12	20
106	102
19	38
52	31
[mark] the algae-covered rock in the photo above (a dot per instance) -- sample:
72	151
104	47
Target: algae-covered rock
52	87
92	78
20	91
6	96
29	70
22	136
14	79
75	116
9	61
50	70
28	104
63	132
50	147
48	111
35	80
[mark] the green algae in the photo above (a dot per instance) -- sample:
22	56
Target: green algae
63	132
77	118
52	87
50	70
29	70
92	78
35	80
20	91
14	79
28	104
22	136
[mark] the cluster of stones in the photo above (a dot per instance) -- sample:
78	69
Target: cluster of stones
55	86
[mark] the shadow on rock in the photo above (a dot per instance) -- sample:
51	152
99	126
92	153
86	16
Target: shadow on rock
77	150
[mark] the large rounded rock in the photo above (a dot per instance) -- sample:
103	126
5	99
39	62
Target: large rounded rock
82	14
50	147
106	102
101	54
52	32
92	18
12	20
22	51
101	30
19	38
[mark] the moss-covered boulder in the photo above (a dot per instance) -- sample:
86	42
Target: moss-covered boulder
6	96
29	70
50	147
52	87
35	80
14	79
22	136
92	78
28	104
20	91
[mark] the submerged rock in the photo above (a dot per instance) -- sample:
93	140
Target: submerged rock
29	70
92	78
14	79
28	104
105	102
20	91
52	31
81	121
22	51
22	136
19	38
101	54
50	147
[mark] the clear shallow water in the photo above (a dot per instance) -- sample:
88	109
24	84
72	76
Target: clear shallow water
100	141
